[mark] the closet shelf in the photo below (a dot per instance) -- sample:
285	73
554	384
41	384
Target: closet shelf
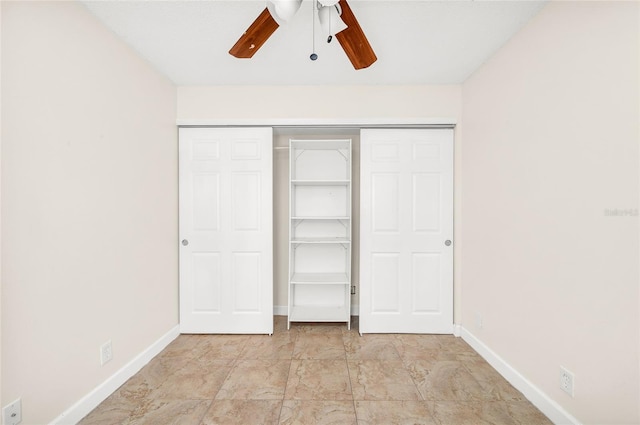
320	182
322	240
317	278
320	217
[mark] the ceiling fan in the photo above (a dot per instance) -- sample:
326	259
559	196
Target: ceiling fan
336	18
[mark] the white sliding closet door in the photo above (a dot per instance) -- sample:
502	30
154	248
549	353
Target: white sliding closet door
226	248
406	229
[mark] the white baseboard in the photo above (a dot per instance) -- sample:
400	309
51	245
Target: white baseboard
457	330
89	402
281	310
535	395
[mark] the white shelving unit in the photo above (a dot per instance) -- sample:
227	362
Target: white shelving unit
320	231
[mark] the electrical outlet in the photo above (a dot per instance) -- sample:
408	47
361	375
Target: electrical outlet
566	381
106	352
12	413
353	290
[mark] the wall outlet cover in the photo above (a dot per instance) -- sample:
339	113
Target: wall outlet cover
566	381
12	413
106	352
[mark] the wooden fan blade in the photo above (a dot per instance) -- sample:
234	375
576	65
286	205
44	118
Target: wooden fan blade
353	41
255	36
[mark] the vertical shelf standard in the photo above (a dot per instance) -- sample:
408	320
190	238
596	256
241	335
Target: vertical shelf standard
320	231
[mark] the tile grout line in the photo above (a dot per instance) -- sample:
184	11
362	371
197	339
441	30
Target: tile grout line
353	397
233	365
286	384
434	402
405	365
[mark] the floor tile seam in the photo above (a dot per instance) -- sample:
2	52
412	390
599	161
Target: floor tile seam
233	366
424	400
204	415
295	344
432	412
395	348
498	393
161	382
480	397
286	384
430	409
317	399
391	399
156	394
276	357
460	400
248	399
242	350
205	349
477	381
346	361
183	399
353	396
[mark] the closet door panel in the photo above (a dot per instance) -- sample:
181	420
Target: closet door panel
406	219
226	254
385	189
385	282
246	282
206	282
246	203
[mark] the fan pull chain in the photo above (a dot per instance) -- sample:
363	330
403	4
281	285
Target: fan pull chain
330	36
313	56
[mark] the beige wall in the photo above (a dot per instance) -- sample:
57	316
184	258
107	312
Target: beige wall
317	102
1	205
89	211
311	104
551	144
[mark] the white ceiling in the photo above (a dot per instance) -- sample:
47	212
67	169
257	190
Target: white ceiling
417	42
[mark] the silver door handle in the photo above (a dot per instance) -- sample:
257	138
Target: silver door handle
185	242
447	242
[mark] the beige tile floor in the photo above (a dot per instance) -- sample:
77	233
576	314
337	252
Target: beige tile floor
316	374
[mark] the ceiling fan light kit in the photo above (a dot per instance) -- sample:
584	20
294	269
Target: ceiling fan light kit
283	10
335	16
330	21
